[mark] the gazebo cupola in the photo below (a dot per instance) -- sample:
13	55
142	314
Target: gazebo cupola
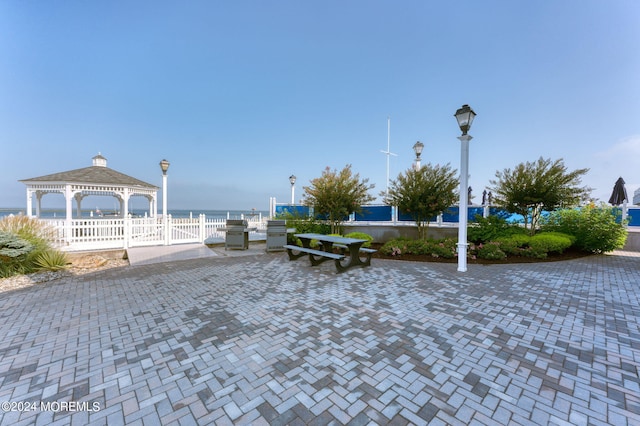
99	161
95	180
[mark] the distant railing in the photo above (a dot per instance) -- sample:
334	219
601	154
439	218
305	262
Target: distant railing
101	233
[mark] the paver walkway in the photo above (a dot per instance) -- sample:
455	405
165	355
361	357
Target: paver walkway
257	339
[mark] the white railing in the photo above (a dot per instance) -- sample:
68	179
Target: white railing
100	233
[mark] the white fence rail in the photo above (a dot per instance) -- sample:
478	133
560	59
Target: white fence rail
100	233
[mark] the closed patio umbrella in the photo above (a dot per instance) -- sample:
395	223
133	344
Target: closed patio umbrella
619	194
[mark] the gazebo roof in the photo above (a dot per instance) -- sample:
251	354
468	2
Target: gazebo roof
98	174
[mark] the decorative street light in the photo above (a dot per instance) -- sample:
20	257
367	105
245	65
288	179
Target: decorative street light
465	116
417	148
164	166
292	179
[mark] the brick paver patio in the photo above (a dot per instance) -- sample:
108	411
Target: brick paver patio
261	340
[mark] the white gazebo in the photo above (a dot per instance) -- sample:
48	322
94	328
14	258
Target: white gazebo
95	180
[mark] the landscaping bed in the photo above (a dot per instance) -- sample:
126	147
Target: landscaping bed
569	254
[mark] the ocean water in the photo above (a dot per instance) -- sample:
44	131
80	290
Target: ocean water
177	213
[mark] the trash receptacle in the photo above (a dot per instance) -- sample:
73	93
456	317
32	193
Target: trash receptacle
276	235
237	235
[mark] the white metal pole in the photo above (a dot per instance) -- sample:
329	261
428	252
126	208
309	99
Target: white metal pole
293	191
464	185
164	195
388	149
165	221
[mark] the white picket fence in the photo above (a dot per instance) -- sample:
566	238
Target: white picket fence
118	233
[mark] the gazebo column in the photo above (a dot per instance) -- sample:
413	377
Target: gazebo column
125	202
39	195
151	200
68	197
78	196
29	202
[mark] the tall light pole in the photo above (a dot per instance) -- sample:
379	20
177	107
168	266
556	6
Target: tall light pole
417	148
464	116
164	166
292	180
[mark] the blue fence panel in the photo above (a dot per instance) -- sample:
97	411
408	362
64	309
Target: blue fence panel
451	215
406	217
375	214
633	214
473	212
302	211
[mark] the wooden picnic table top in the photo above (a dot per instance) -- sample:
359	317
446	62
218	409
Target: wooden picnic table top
331	239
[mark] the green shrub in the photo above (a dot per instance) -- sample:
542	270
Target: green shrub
395	247
537	252
38	233
436	248
490	251
491	228
443	248
514	244
595	228
14	253
305	225
30	236
361	236
52	260
551	242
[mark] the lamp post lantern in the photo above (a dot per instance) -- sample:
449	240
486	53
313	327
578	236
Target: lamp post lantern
292	180
464	116
417	148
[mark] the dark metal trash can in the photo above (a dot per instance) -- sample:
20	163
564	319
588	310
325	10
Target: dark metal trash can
237	235
276	235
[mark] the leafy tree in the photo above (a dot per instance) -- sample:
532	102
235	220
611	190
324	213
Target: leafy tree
336	194
423	193
532	187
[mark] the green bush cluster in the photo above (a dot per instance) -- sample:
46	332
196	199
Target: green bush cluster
491	228
595	228
490	251
361	236
538	246
445	248
25	247
305	225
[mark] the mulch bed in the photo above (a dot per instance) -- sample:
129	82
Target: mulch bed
567	255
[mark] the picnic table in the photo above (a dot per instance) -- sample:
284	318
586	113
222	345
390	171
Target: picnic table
350	248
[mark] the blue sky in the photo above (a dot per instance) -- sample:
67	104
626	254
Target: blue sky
240	95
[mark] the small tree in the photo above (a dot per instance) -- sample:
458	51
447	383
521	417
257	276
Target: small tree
532	187
423	193
336	194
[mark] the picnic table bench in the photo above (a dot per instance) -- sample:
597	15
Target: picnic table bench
350	248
